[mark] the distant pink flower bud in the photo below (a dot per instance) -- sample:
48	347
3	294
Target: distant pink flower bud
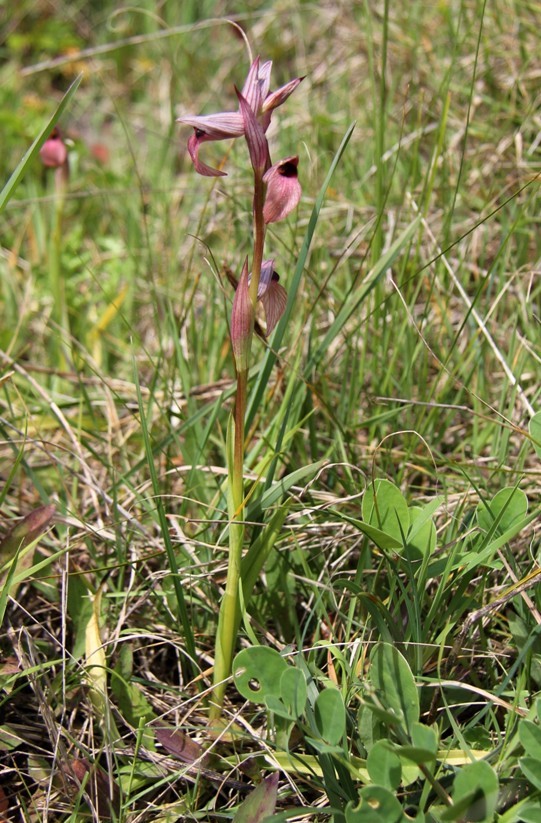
242	321
283	190
54	153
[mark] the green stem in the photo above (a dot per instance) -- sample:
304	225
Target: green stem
60	311
229	618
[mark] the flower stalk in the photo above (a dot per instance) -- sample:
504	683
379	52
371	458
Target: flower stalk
276	192
54	155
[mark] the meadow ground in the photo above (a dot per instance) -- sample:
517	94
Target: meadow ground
390	651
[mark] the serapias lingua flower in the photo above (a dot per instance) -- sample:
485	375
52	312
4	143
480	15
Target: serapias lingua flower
283	190
231	124
271	294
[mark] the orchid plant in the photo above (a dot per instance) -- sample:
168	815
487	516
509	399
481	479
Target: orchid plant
276	192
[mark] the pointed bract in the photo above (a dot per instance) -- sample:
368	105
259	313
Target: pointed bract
283	190
255	136
242	321
256	86
280	95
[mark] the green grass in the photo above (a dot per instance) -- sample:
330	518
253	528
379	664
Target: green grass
408	371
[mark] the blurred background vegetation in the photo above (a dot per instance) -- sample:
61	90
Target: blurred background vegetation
114	311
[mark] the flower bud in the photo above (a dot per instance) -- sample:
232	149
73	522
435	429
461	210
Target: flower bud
54	153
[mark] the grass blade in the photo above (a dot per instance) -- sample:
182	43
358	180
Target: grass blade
8	190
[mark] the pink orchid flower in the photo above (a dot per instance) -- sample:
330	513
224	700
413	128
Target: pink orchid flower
271	294
283	190
230	124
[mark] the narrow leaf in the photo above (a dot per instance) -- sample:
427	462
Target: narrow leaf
96	672
26	531
8	190
535	432
392	678
260	804
177	743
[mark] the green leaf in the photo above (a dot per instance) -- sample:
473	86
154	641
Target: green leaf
376	805
421	538
476	559
529	813
385	508
280	488
423	514
260	804
132	702
322	747
330	716
531	769
507	507
254	560
530	736
535	432
373	605
391	676
257	673
382	540
293	690
424	737
278	707
9	189
416	754
475	794
386	716
384	765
